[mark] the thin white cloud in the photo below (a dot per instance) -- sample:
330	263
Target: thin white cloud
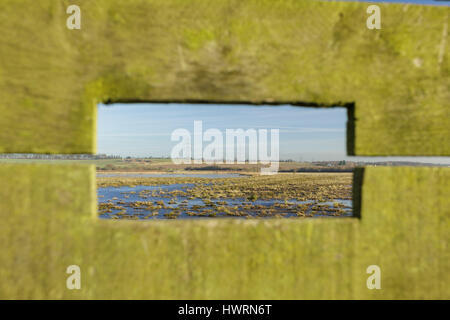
150	134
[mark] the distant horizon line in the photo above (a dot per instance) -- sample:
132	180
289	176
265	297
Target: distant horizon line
379	159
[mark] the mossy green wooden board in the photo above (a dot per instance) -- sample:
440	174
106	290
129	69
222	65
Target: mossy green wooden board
49	222
253	51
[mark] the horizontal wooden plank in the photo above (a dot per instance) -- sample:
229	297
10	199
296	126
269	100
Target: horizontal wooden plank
48	223
300	52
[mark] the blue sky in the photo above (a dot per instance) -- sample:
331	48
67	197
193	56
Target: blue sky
145	129
432	2
306	134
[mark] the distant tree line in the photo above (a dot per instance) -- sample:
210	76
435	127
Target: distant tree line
57	156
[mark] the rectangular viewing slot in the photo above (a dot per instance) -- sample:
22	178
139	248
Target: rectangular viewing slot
187	161
173	161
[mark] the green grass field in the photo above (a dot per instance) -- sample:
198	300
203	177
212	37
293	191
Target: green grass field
275	196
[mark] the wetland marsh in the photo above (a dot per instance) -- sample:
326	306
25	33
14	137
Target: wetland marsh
178	196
